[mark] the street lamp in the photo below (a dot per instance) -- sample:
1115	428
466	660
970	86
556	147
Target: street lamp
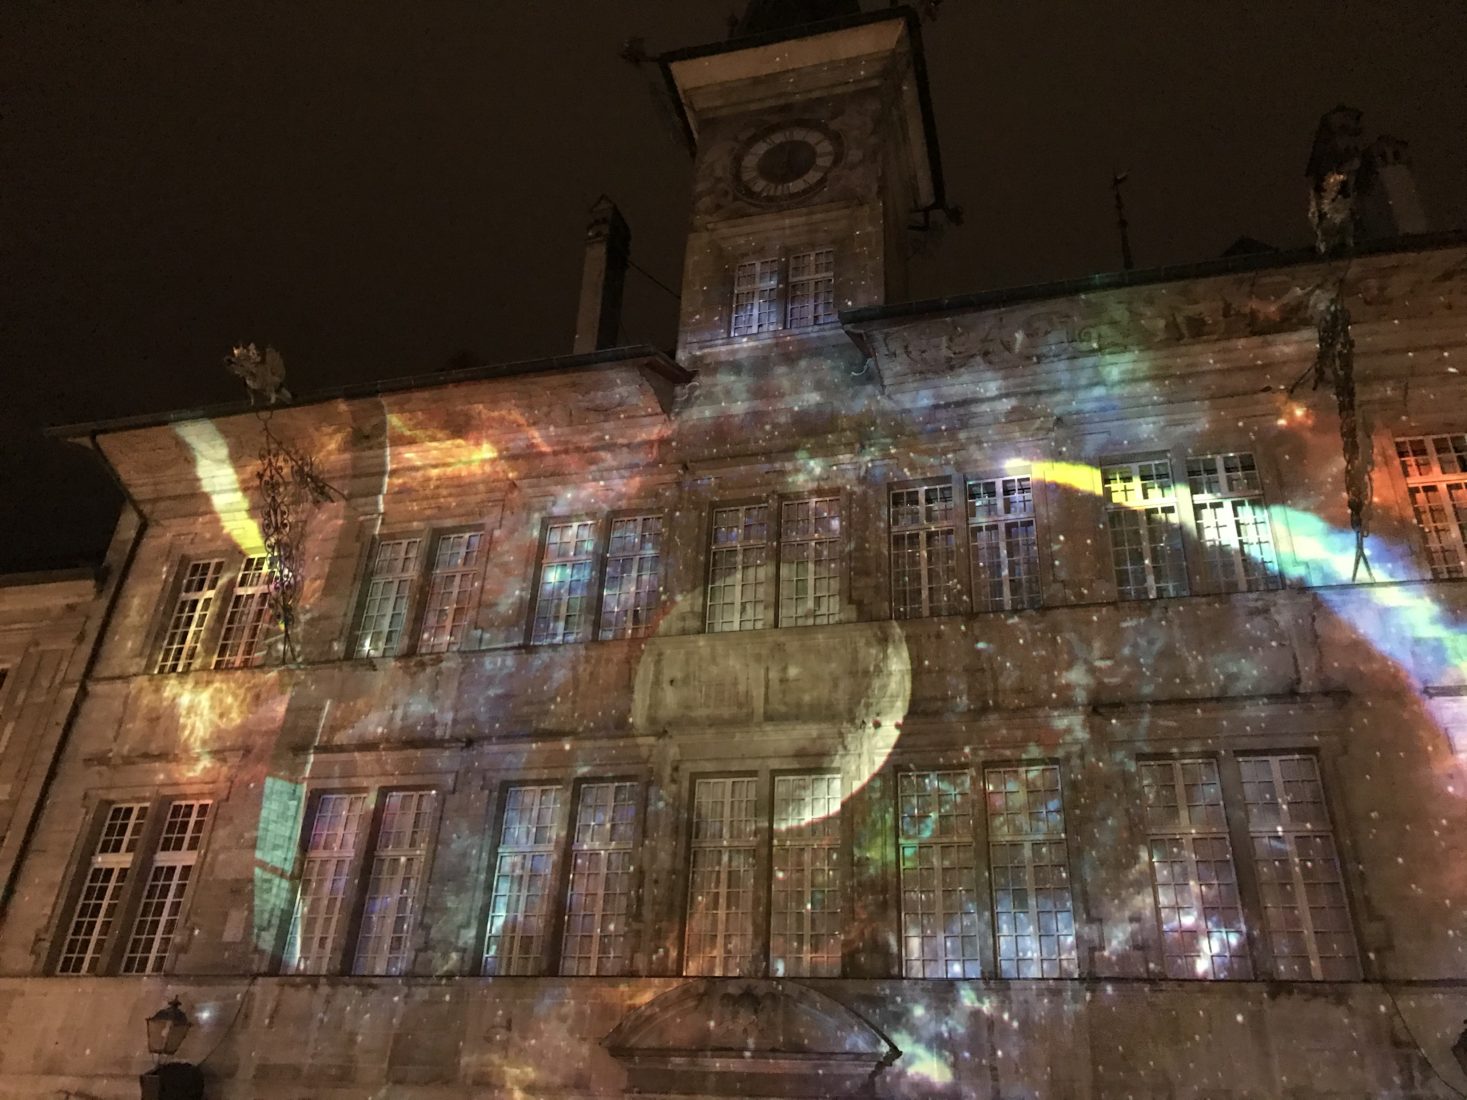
166	1029
170	1080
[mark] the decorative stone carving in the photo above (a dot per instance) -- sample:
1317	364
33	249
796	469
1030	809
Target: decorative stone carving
747	1037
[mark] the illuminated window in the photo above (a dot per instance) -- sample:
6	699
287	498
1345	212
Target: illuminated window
248	616
450	591
1004	548
394	890
1196	887
597	936
1232	523
756	297
342	848
1145	538
721	892
388	600
565	604
938	875
1436	481
739	568
196	593
632	590
805	894
812	288
772	294
596	877
1034	921
924	570
809	561
133	867
1303	888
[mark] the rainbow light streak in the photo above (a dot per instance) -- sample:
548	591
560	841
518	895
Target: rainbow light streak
1392	617
220	480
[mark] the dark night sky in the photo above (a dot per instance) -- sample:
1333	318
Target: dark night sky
373	187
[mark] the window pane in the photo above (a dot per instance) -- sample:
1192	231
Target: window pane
632	592
101	892
805	894
1434	467
1196	888
319	921
390	911
923	552
812	288
1299	876
168	879
1033	919
938	876
738	568
519	908
248	616
563	605
389	597
809	561
1232	523
450	592
1145	536
720	930
756	297
186	625
1005	550
598	903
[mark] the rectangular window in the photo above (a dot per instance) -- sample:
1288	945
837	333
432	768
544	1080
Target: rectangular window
1232	523
450	592
597	937
812	288
102	889
739	568
632	590
1004	545
318	925
805	897
1436	482
756	297
564	605
196	593
1196	887
247	617
924	561
1034	921
168	878
938	875
809	561
1145	536
720	933
1299	875
388	601
521	897
394	889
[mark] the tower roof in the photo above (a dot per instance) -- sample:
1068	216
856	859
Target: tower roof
777	15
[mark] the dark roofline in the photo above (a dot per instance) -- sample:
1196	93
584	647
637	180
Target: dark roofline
824	26
1120	280
661	361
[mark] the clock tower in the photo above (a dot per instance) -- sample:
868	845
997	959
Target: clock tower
813	149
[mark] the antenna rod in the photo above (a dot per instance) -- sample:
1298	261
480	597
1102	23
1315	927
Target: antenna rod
1115	184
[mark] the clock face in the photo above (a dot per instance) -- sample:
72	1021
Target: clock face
786	161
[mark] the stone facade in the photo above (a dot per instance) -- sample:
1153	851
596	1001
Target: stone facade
1358	682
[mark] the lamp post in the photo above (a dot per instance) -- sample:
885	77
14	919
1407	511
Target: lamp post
170	1080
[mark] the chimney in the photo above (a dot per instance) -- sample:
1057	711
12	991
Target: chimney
608	244
1387	203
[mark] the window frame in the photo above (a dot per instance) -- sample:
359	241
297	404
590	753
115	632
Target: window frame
1010	605
1438	479
762	938
551	956
601	528
1185	524
341	961
420	587
210	633
772	594
114	946
781	258
1200	580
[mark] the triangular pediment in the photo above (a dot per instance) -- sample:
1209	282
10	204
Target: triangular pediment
748	1037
